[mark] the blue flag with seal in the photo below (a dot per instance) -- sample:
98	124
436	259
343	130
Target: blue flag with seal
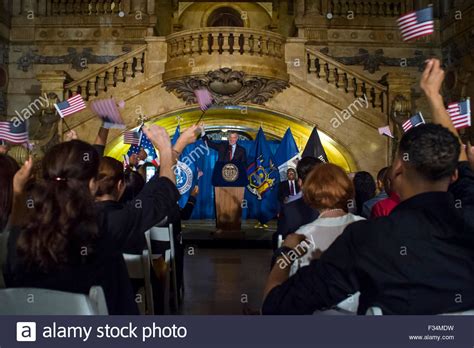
287	154
186	169
261	193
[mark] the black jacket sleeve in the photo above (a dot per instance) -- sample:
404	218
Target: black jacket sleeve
213	145
321	285
157	200
463	192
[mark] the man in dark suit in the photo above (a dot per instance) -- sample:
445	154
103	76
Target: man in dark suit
288	188
295	212
230	151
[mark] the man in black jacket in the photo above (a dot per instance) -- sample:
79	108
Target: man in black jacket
230	151
417	260
288	188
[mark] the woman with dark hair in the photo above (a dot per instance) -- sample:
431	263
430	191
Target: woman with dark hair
62	246
134	183
8	168
365	187
70	246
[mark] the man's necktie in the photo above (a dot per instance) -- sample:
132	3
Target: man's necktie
292	188
229	153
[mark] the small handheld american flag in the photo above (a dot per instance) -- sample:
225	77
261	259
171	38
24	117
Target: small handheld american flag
460	114
132	137
13	133
385	131
416	24
70	106
413	121
204	98
107	110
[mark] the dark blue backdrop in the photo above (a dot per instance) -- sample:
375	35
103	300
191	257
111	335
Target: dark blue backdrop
205	207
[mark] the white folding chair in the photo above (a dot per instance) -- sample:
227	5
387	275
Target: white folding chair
139	267
34	301
165	235
280	241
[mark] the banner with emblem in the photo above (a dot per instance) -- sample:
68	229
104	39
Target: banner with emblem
263	176
185	170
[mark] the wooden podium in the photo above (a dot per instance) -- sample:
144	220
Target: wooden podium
229	180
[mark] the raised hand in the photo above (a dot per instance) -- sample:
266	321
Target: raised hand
432	78
158	136
22	176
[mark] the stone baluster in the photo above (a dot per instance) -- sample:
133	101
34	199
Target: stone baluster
85	7
125	6
120	76
129	69
200	43
377	100
92	87
93	7
225	42
331	76
349	84
110	78
323	70
248	44
83	88
359	88
101	82
139	68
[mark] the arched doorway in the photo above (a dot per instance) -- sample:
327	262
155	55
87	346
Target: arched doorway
246	121
225	17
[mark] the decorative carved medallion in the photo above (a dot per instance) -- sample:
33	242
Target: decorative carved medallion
227	87
372	62
79	61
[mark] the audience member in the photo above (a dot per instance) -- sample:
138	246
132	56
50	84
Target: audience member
296	213
382	194
417	260
328	190
134	183
364	185
288	188
67	245
385	206
8	168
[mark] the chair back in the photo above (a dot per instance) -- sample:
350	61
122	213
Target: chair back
34	301
139	267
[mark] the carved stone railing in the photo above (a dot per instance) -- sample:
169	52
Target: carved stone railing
118	72
261	50
372	8
234	41
82	7
345	79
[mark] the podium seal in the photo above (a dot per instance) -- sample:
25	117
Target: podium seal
230	172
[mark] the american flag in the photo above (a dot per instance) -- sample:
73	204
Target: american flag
385	131
204	98
460	114
413	121
132	137
15	134
70	106
107	110
416	24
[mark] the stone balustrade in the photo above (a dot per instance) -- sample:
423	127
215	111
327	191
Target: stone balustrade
346	80
371	8
202	50
120	71
55	8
